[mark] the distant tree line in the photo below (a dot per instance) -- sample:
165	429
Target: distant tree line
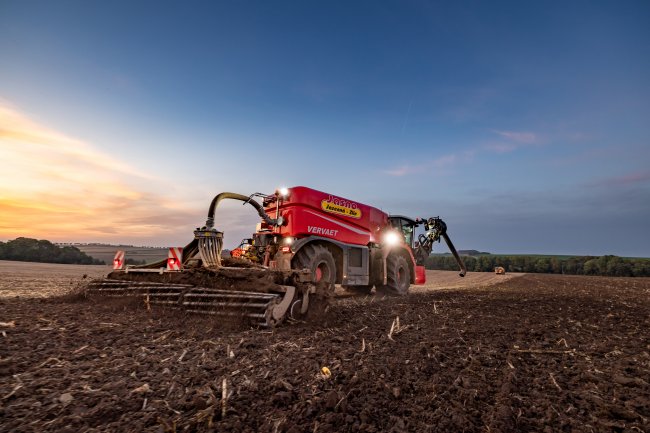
588	265
33	250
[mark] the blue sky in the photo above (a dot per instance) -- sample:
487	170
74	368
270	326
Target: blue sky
524	125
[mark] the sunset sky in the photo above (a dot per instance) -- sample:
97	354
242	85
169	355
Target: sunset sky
525	125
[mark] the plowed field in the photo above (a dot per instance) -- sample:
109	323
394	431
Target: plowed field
527	353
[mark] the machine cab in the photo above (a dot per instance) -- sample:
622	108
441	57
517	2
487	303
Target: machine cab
406	226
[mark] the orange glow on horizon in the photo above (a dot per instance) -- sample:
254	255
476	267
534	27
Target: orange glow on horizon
59	188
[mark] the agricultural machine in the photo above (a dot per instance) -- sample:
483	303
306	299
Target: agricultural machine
306	242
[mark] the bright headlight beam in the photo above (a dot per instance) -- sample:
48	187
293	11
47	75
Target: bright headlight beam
284	191
391	238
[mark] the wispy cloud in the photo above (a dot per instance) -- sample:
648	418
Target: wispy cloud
17	130
519	136
501	147
634	178
440	164
58	187
512	140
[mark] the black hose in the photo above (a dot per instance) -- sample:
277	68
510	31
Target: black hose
441	230
463	270
215	202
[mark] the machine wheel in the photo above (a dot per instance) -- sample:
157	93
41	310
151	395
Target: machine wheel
319	261
399	276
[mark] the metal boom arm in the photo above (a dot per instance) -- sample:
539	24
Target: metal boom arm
435	229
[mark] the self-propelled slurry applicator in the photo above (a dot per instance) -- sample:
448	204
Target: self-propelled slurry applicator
306	242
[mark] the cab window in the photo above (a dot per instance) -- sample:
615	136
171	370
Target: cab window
404	226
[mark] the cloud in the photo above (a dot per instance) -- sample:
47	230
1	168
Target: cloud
629	179
502	147
519	137
19	131
441	164
513	141
58	187
632	178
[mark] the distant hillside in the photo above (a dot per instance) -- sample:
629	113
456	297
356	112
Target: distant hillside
44	251
472	253
133	255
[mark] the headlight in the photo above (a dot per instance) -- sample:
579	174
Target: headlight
283	192
391	238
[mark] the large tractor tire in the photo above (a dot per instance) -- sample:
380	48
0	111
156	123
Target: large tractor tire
319	261
399	276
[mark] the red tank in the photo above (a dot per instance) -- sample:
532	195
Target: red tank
308	212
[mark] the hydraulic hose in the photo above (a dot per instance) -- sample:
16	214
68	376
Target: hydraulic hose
438	229
463	270
246	199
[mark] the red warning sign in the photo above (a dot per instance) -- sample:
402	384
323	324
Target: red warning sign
118	261
175	259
